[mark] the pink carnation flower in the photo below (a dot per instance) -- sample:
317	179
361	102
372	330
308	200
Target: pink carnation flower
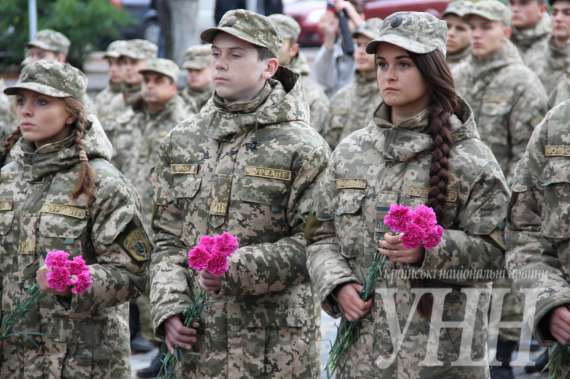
82	283
198	257
218	265
398	218
424	217
433	237
56	258
58	278
413	237
207	242
226	244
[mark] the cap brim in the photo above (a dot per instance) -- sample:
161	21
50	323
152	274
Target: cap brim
208	35
111	55
40	45
404	43
144	70
36	87
194	66
364	34
485	15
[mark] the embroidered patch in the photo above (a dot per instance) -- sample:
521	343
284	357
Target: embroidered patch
64	210
180	168
269	173
6	206
350	184
414	191
137	245
218	208
557	151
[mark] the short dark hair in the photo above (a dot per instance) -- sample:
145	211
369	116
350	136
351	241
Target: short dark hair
264	53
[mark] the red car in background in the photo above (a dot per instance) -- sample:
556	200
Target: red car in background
308	13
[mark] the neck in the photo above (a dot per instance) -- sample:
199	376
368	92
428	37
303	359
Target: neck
407	111
248	95
155	107
65	132
560	42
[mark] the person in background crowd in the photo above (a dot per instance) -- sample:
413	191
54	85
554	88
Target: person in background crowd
507	98
199	77
353	106
531	30
245	164
421	147
61	193
458	33
291	57
108	102
555	61
47	44
332	68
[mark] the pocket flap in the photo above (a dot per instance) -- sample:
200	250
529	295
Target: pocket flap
349	201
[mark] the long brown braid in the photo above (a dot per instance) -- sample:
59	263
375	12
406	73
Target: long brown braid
85	184
444	102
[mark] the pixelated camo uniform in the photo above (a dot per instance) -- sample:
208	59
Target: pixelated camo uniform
247	168
538	228
82	337
314	94
507	99
532	43
384	164
352	107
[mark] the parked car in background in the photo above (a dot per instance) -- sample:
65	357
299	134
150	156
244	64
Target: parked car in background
308	13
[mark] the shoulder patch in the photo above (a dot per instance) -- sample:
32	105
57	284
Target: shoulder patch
350	184
136	242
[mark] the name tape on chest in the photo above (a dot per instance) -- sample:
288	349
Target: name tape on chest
350	184
6	206
180	168
557	151
414	191
64	210
269	173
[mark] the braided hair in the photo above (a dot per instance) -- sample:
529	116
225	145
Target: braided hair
444	102
85	183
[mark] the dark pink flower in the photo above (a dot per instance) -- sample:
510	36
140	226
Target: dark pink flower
198	257
77	265
218	265
413	237
58	278
56	258
226	244
208	243
424	217
398	218
83	282
433	237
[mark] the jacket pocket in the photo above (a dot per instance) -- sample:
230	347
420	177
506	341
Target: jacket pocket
348	221
556	207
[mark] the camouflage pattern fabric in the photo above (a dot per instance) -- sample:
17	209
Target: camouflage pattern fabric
538	228
194	99
384	164
139	145
247	26
78	336
533	42
198	57
493	10
7	117
352	107
454	60
418	32
553	66
247	168
140	49
507	99
108	103
561	93
162	66
314	94
51	40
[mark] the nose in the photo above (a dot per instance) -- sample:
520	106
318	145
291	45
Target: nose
25	108
391	73
220	63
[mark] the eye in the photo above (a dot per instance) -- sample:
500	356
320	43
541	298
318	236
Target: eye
42	101
404	65
19	100
215	54
382	66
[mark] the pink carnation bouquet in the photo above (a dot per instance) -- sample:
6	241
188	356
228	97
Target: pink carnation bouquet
211	254
418	228
63	274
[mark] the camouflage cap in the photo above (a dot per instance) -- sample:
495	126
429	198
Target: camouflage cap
369	29
247	26
287	27
139	49
162	66
457	8
418	32
51	78
492	10
115	49
198	57
51	40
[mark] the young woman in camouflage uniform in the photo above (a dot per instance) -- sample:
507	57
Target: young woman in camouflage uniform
422	147
61	193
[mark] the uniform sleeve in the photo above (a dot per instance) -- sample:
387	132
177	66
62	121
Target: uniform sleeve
529	108
169	277
319	111
533	232
272	267
122	250
476	242
327	267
